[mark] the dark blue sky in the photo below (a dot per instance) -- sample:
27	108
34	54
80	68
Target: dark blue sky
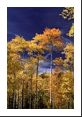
26	21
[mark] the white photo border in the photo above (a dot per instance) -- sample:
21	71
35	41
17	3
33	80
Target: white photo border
77	58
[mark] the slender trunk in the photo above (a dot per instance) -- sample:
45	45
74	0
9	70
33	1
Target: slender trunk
37	83
30	98
53	105
18	98
71	102
30	104
51	80
22	94
27	95
8	101
14	100
31	91
14	92
68	105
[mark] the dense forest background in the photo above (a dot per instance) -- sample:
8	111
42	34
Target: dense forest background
29	85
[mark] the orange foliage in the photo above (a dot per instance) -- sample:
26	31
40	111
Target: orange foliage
58	61
52	32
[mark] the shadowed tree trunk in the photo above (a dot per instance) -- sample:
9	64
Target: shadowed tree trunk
23	94
30	92
37	83
51	77
18	98
14	92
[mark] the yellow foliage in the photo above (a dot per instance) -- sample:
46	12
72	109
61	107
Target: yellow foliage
58	61
23	74
71	31
69	50
52	32
69	56
68	13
